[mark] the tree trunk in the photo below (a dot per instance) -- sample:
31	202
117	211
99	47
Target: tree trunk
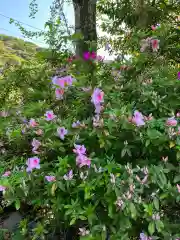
85	23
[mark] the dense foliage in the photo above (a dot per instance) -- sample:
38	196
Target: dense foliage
92	148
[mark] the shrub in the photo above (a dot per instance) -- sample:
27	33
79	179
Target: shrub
95	154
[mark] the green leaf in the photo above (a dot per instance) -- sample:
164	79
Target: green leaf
177	179
151	228
133	210
82	217
17	204
156	203
72	221
159	226
153	134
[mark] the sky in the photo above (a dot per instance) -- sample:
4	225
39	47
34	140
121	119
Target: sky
19	10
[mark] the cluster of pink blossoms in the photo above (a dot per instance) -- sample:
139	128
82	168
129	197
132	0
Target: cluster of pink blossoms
150	43
61	83
81	158
92	56
97	99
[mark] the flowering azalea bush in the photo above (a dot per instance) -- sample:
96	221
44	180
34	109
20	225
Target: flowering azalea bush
98	154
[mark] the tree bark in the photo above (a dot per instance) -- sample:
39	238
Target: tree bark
85	23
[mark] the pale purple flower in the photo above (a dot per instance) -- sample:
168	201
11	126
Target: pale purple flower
68	80
68	176
62	132
2	188
58	81
33	163
97	96
172	122
143	237
107	47
138	119
49	115
50	178
79	149
82	160
76	124
98	108
33	123
6	174
62	82
35	144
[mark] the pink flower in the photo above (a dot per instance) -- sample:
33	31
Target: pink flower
171	122
59	93
97	96
59	81
155	45
68	176
62	132
6	174
178	114
178	76
35	144
86	55
153	27
50	178
49	115
68	80
33	163
178	187
79	149
138	119
82	160
2	188
33	123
